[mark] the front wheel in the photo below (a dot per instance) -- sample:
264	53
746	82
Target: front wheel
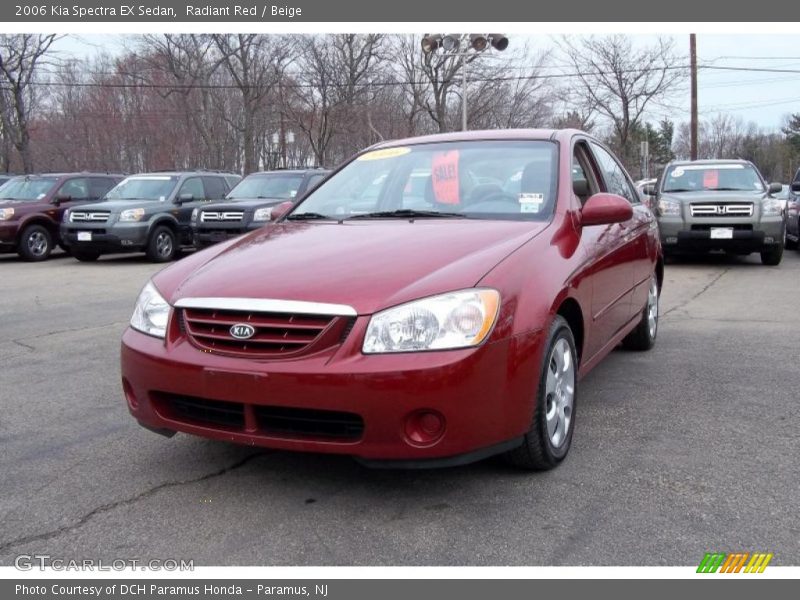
163	246
773	256
644	336
549	438
35	243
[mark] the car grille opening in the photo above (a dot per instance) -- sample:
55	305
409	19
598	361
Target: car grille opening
228	415
734	226
271	421
88	216
722	210
274	335
302	422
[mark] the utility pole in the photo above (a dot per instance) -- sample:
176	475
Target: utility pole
282	132
464	91
693	63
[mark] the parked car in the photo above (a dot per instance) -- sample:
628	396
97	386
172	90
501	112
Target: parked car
31	207
793	214
149	212
4	177
420	336
719	205
249	205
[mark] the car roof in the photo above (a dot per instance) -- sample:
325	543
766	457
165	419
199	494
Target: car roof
181	173
66	174
484	134
712	161
287	172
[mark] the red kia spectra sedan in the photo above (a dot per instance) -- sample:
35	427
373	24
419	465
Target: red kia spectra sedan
435	301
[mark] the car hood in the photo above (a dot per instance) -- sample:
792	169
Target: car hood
244	203
116	206
368	265
719	197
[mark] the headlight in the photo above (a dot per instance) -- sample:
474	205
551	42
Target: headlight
6	214
454	320
263	214
669	207
771	208
65	217
151	312
132	214
195	212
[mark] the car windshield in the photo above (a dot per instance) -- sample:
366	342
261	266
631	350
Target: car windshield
720	177
151	187
27	188
283	186
473	179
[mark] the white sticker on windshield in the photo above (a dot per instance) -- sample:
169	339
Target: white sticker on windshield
530	203
40	196
162	198
677	172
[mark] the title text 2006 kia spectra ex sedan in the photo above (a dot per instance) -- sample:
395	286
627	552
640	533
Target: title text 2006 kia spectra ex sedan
433	302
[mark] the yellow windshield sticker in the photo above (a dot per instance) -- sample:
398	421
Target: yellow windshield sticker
385	153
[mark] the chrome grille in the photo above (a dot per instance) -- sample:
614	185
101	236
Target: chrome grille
722	210
217	216
88	216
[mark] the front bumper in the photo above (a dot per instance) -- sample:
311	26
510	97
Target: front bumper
678	235
205	235
107	237
485	395
8	235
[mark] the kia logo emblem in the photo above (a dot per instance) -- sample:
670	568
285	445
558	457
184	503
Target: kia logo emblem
242	331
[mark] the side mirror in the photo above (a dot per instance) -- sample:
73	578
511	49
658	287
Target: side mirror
184	198
796	187
604	209
649	190
279	210
61	198
774	188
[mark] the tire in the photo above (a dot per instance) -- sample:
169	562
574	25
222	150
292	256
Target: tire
548	440
85	255
790	244
35	243
644	336
162	246
773	256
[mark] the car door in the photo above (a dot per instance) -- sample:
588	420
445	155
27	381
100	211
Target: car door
613	256
72	192
191	186
634	232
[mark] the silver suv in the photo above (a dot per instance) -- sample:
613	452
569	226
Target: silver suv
719	205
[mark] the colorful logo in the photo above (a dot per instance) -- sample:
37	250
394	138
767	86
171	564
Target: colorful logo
734	562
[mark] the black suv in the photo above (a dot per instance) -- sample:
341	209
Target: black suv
249	205
31	207
149	212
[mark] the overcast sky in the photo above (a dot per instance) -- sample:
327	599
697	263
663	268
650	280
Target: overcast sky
760	97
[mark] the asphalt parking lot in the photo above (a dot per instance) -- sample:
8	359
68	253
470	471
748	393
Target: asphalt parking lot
687	449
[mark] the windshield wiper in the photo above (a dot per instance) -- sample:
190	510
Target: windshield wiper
726	189
407	213
309	216
678	190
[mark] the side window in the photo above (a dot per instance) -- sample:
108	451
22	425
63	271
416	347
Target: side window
232	180
585	179
77	189
193	186
215	188
99	186
615	178
313	182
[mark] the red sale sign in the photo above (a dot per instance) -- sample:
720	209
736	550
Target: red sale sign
444	175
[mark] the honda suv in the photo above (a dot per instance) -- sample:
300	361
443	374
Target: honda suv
149	212
31	207
719	205
249	205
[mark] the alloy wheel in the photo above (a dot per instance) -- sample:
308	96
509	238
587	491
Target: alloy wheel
559	392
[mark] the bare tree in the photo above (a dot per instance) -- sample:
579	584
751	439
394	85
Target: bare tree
257	64
20	54
621	81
